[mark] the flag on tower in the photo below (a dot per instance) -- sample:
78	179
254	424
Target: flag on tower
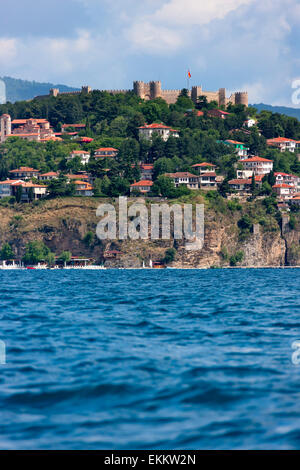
189	74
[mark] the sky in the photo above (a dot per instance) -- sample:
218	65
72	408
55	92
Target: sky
241	45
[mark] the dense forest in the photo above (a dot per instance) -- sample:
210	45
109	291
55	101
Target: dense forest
113	121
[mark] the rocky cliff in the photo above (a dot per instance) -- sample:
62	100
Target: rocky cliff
63	225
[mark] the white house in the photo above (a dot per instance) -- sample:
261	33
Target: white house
284	191
250	122
283	144
6	187
51	175
257	165
147	131
38	191
204	167
84	156
143	186
185	178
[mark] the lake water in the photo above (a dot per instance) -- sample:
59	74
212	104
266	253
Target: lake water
160	359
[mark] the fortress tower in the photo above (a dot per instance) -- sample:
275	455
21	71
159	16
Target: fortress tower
222	97
155	90
241	97
139	89
5	127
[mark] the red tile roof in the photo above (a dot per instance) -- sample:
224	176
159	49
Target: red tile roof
204	164
255	159
157	126
24	121
24	169
280	139
106	149
283	185
142	183
240	181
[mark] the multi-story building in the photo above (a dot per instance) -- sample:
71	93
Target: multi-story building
29	129
284	191
147	170
283	144
207	180
24	173
106	152
147	131
82	188
6	187
257	165
29	190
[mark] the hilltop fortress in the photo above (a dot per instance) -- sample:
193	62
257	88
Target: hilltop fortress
152	90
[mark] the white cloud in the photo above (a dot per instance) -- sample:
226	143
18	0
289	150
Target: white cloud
8	50
195	12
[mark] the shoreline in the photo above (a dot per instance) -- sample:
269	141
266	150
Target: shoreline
100	268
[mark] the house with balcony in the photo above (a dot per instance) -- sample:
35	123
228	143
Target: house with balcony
284	191
287	178
257	165
207	180
147	170
146	132
106	152
143	186
82	188
184	178
24	173
283	144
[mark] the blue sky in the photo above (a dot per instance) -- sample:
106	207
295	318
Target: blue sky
239	44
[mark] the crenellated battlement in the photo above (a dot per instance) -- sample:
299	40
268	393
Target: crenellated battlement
153	89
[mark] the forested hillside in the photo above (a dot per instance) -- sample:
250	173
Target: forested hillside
17	89
113	121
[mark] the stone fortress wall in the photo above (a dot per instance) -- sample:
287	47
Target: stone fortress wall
153	89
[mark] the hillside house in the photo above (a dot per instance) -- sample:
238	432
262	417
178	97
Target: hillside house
147	131
284	191
184	178
204	167
283	144
82	188
29	190
106	152
82	154
143	186
257	165
24	173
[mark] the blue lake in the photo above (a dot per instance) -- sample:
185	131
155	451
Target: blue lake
160	359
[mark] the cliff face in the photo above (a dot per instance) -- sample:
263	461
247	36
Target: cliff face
63	224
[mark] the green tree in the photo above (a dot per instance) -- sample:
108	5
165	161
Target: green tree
35	252
6	252
65	257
